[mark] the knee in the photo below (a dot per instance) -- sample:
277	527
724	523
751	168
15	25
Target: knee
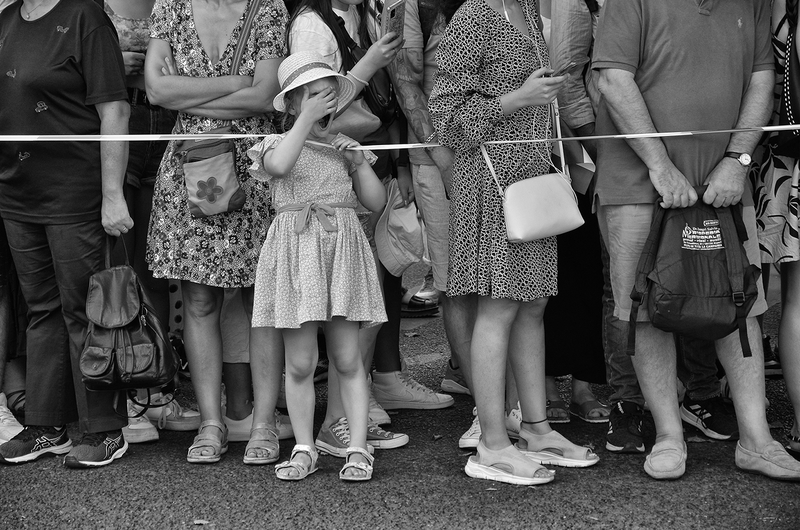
348	367
299	367
200	304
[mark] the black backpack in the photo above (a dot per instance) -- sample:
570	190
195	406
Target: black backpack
694	275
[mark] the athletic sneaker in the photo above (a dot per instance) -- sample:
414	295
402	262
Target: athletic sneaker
139	429
9	426
398	390
382	439
97	449
625	428
172	416
377	414
454	382
470	439
34	441
714	416
335	439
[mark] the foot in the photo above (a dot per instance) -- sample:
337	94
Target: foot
97	449
454	381
715	417
139	429
398	390
506	465
263	447
773	462
553	449
302	463
358	465
210	443
34	441
667	460
557	411
169	415
625	428
9	426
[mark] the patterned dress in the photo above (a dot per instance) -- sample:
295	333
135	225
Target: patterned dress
775	182
481	57
308	272
221	250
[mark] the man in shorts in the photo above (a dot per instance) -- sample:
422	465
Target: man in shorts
673	66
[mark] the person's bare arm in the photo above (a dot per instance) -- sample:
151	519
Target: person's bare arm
113	161
631	116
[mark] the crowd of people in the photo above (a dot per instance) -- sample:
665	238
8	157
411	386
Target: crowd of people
296	267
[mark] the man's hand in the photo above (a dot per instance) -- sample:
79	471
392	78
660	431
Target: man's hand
405	185
114	216
672	185
725	183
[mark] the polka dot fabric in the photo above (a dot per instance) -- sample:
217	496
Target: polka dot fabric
482	57
314	275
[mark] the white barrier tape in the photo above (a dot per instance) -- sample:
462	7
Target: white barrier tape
380	147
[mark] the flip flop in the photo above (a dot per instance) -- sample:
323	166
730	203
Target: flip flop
584	411
557	411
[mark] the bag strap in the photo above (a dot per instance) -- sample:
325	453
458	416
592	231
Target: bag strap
552	115
647	261
110	242
730	220
241	44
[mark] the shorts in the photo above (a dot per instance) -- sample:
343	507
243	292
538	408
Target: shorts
625	228
235	328
435	209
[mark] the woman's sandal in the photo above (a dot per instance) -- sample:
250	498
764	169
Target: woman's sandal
303	470
262	448
553	449
366	467
557	411
591	411
506	465
218	445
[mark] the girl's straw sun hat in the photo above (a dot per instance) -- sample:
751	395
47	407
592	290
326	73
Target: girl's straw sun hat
304	67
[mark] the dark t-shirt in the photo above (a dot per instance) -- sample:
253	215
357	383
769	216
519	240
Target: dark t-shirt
692	61
53	71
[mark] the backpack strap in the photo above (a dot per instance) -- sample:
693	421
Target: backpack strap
732	227
646	263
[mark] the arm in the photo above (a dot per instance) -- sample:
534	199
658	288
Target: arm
256	99
368	187
629	112
114	159
179	92
726	182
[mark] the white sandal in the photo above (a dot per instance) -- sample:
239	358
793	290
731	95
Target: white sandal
366	467
219	446
302	469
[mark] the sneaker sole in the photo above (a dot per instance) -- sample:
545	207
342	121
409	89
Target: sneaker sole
74	463
399	440
414	405
451	387
546	458
140	436
327	449
468	443
477	470
696	422
30	457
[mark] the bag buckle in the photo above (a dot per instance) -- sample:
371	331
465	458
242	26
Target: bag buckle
738	298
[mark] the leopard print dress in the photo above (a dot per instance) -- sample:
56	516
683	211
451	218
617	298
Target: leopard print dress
481	57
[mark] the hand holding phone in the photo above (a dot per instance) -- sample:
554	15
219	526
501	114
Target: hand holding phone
393	17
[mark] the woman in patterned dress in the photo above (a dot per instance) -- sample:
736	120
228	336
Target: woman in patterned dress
187	69
493	84
776	183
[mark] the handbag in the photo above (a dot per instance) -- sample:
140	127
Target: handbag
126	345
541	206
357	121
787	143
209	165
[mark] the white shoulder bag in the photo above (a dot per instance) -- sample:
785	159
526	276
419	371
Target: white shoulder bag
540	206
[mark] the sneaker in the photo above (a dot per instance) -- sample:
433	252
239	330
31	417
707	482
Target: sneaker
470	439
9	426
714	416
397	390
625	428
172	416
139	429
514	422
377	414
382	439
97	449
772	365
454	382
239	430
34	441
335	440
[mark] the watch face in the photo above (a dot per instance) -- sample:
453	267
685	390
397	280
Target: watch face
745	159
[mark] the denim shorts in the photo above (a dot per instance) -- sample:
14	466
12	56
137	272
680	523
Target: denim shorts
625	228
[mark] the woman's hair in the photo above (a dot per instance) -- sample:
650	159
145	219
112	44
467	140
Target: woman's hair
325	11
448	8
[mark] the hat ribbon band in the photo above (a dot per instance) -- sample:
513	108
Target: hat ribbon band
303	69
321	210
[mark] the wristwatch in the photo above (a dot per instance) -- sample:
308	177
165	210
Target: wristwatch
743	158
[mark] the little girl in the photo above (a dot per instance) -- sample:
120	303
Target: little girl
316	264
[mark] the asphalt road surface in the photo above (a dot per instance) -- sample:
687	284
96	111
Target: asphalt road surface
422	485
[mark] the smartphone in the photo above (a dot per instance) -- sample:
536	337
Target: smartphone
567	68
393	17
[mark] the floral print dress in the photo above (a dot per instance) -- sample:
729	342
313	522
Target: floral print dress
315	264
481	57
775	183
221	250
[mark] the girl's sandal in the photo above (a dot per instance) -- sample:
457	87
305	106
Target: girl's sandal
507	465
553	449
262	448
366	467
302	469
218	445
